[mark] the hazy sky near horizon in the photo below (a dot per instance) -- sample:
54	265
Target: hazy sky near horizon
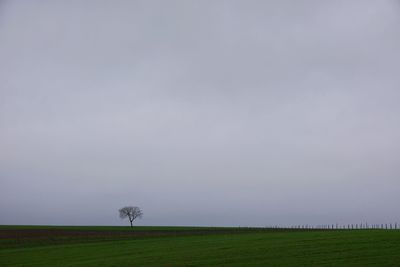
200	112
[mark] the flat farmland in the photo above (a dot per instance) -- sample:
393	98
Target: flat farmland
195	246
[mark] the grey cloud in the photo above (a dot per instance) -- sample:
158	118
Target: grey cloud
194	110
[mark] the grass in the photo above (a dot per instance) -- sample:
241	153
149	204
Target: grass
106	228
252	247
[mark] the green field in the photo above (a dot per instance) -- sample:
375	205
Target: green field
195	246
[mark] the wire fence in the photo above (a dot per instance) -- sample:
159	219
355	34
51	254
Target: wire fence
337	226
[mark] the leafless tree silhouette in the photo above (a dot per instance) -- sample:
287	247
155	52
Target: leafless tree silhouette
131	212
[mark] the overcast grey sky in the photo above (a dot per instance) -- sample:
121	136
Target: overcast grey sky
200	112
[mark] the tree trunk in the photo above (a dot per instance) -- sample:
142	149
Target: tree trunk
131	224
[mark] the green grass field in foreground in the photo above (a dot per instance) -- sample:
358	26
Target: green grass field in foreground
299	248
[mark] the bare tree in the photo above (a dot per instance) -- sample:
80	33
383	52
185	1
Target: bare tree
131	212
